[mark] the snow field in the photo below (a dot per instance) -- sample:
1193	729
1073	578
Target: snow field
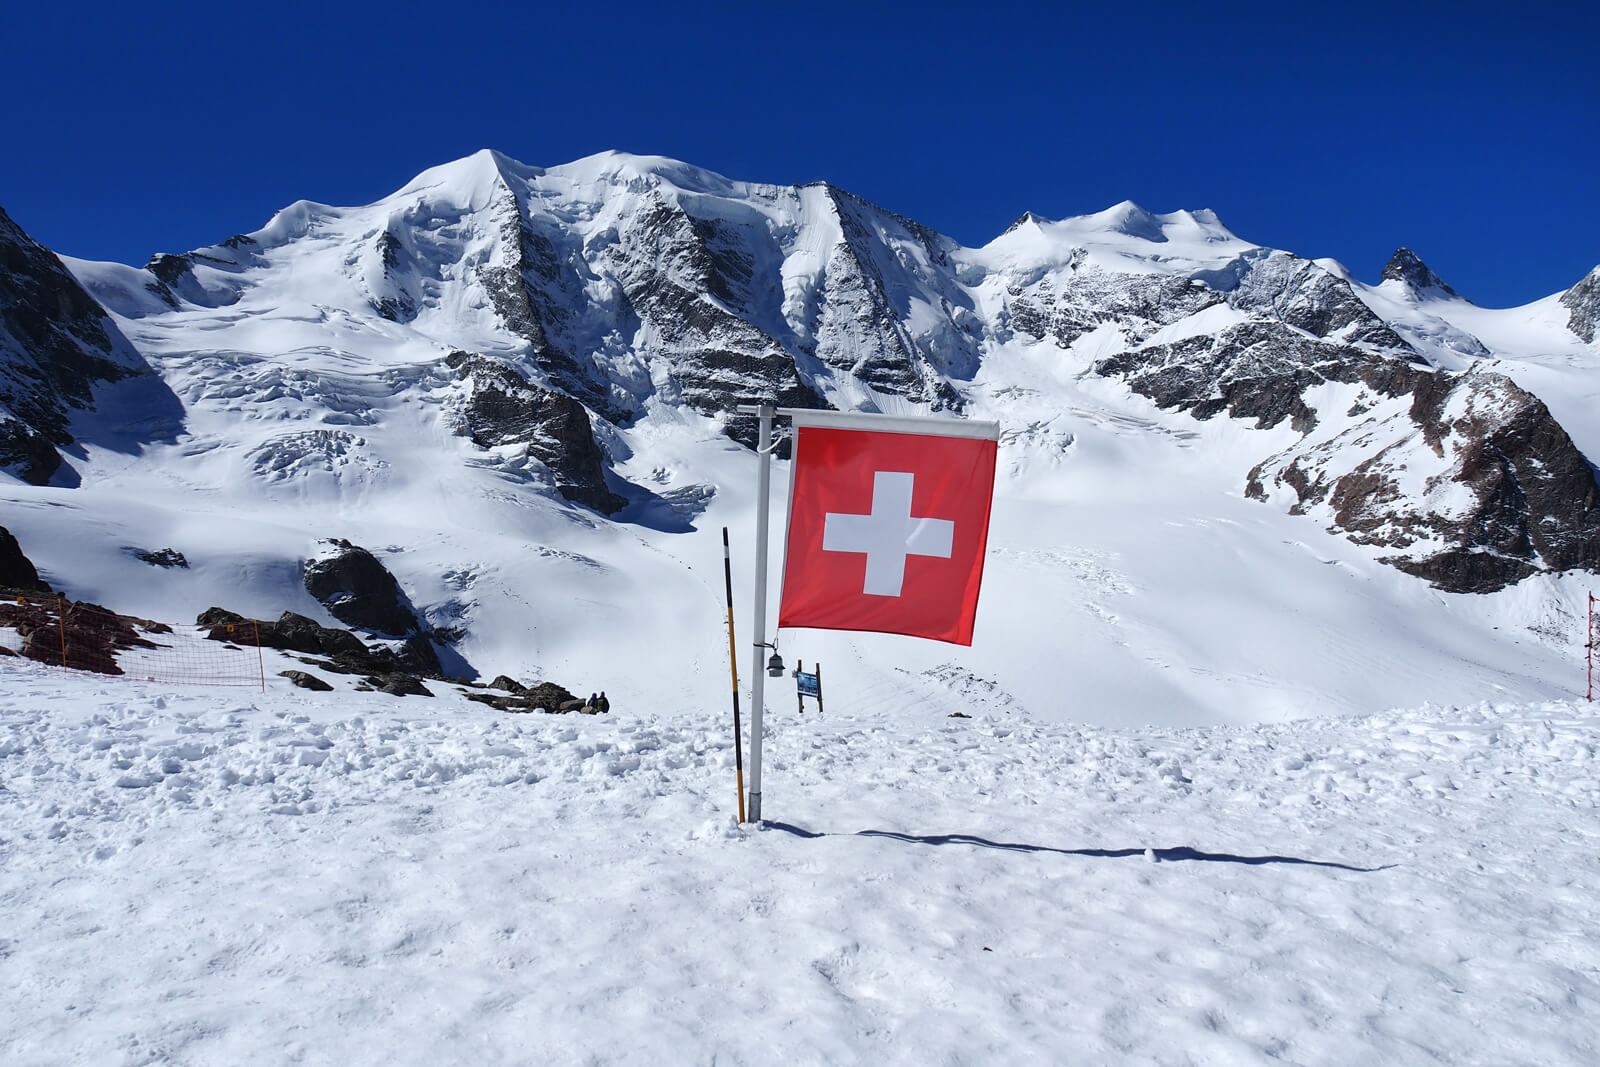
351	878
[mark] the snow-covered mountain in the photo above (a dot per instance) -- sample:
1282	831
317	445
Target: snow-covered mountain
518	385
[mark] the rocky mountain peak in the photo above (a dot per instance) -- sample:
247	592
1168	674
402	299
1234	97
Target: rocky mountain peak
1407	267
1583	300
1027	218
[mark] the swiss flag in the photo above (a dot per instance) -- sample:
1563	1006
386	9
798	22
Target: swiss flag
887	527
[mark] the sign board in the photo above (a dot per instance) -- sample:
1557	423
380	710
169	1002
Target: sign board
810	685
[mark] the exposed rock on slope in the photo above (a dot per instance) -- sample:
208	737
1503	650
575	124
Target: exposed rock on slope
1404	266
1471	484
1583	300
358	590
346	653
16	570
503	408
56	344
1467	481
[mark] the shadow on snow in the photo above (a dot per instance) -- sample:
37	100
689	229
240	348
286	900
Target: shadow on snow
1165	855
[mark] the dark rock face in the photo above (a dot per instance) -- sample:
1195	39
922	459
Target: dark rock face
1404	266
175	279
291	632
1281	287
161	557
1090	297
539	293
690	280
1583	300
307	681
395	301
1506	493
358	590
347	653
398	685
503	408
56	344
76	635
862	324
17	572
700	285
1256	370
546	696
1305	327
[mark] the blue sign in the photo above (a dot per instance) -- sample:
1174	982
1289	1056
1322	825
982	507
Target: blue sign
809	684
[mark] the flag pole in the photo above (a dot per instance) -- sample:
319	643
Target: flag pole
758	674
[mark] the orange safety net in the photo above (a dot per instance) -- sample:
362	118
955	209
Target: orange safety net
76	636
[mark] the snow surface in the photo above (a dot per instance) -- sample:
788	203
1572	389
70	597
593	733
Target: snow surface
286	877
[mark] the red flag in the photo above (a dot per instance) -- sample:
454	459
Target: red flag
888	523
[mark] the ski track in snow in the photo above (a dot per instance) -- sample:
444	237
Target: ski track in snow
355	879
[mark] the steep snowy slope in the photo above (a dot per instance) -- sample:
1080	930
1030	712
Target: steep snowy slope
513	384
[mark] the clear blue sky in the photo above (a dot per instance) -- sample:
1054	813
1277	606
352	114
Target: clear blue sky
1470	133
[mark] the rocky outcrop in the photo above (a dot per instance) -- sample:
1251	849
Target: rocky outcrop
160	557
546	697
207	277
396	685
501	407
1063	309
304	680
537	292
345	652
358	590
56	345
17	573
864	324
716	317
1583	301
690	282
1405	267
1468	482
1303	327
77	635
1256	370
394	301
290	632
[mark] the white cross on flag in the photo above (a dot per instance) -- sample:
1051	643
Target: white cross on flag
888	523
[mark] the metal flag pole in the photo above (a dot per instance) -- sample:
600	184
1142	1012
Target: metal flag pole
759	674
758	620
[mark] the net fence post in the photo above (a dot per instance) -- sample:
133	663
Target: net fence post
261	661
